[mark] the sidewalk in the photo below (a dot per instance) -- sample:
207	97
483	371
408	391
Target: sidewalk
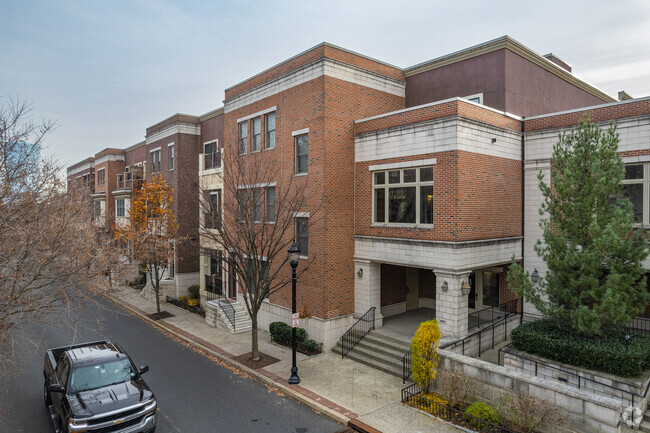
339	388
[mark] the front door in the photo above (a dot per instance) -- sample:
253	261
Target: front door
232	281
471	298
412	288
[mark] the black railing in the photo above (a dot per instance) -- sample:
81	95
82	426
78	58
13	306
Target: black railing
406	366
492	314
228	310
639	324
213	288
412	397
357	331
211	160
581	380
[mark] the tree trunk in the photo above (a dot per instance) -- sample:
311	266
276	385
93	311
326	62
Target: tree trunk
156	288
255	352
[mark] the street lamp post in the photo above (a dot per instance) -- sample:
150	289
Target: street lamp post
294	254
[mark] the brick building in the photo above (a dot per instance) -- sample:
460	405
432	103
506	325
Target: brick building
422	176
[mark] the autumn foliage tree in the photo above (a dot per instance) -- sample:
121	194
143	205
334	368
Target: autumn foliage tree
424	353
149	232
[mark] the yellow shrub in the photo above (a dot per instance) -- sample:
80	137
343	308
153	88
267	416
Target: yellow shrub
424	353
184	299
194	302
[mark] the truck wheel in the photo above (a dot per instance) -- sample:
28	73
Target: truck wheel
46	395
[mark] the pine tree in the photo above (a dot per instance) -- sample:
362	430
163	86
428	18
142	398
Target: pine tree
595	281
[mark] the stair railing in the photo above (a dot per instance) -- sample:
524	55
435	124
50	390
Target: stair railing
228	310
406	366
357	331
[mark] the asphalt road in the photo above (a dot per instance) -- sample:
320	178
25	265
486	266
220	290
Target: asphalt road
195	394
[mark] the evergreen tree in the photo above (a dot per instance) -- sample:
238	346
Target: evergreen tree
595	281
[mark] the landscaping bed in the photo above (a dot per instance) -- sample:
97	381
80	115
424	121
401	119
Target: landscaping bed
186	305
281	334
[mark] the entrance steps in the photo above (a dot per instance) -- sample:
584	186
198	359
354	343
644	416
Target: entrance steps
645	424
378	351
243	322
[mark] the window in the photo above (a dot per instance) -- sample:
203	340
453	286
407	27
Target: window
101	177
636	187
120	210
243	138
255	268
270	204
211	155
98	209
302	235
257	205
256	143
403	196
213	214
302	147
243	204
171	157
213	271
270	131
155	161
478	98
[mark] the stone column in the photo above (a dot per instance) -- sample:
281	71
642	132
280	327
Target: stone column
451	304
367	289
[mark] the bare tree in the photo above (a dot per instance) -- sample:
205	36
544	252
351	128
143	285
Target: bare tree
48	245
256	224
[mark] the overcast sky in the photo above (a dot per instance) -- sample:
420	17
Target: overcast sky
105	70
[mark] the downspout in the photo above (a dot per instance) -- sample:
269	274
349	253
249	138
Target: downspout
523	206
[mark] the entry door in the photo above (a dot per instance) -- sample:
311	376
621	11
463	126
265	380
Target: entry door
471	298
413	286
232	281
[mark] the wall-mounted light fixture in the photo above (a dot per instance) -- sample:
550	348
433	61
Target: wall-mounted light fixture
494	140
534	277
465	288
444	286
360	272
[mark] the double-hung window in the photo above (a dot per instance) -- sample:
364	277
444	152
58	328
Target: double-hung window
101	177
302	235
636	187
302	153
211	155
120	209
256	143
155	161
213	214
403	196
270	204
243	138
270	131
257	204
171	157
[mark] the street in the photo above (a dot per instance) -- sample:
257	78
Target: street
195	394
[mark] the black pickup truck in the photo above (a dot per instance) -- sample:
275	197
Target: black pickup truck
94	387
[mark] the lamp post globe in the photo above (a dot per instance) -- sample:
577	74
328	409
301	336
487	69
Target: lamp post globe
294	255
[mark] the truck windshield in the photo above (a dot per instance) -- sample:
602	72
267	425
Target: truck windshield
97	376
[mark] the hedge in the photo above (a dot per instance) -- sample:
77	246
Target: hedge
281	333
609	354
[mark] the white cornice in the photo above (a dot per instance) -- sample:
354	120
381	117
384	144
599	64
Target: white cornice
179	128
109	157
312	70
84	167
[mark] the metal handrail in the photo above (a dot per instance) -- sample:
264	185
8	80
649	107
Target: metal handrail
406	366
228	310
357	331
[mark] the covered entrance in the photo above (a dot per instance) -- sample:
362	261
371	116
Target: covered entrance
406	289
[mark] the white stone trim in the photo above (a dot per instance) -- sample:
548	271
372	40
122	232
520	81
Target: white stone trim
593	107
636	159
258	114
405	164
170	144
81	168
300	132
107	158
155	150
257	185
301	214
172	130
313	70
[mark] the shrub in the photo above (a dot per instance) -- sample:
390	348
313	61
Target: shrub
194	302
310	345
608	354
281	333
483	411
194	291
455	385
184	299
528	412
424	353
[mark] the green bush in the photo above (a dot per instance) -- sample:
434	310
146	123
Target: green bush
194	290
281	333
310	345
483	411
608	354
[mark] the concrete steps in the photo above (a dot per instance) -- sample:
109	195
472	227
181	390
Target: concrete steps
645	424
242	320
379	351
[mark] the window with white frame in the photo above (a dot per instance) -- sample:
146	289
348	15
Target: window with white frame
98	209
213	214
636	187
256	139
270	204
243	138
403	196
257	204
302	235
155	161
101	177
302	152
120	208
269	122
211	155
171	157
478	98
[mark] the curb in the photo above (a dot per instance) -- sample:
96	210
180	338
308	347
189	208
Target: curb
291	392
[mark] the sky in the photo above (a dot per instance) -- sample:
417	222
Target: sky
105	70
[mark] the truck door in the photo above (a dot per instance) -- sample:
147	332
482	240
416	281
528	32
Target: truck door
62	373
